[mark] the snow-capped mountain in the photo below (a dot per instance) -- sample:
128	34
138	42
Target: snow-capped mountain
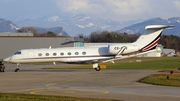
139	27
73	25
7	26
84	24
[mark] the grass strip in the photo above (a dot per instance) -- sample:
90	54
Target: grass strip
167	63
169	71
28	97
161	79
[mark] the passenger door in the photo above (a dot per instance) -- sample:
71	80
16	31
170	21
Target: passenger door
31	55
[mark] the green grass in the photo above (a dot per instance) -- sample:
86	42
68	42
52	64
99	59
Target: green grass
168	71
28	97
148	64
161	79
167	63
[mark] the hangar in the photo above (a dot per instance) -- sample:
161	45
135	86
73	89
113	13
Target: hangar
12	42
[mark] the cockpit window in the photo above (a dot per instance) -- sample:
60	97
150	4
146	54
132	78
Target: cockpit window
18	53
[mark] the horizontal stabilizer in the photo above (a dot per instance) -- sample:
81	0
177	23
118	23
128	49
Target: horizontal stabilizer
158	26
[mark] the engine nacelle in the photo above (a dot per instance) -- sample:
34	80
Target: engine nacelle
114	49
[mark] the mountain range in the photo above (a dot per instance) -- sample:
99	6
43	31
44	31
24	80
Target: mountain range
73	25
139	27
58	30
8	26
84	24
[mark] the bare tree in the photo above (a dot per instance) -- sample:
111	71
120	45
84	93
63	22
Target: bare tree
49	33
27	30
80	35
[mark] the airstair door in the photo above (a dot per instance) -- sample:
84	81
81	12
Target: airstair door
31	55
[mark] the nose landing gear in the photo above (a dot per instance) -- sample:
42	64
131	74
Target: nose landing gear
17	69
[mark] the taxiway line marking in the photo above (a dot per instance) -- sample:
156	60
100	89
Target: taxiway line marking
52	85
70	91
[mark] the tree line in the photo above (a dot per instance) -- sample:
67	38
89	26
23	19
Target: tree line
110	37
168	41
35	31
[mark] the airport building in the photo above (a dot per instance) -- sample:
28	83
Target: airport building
12	42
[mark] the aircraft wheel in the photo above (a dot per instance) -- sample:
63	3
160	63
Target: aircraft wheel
17	69
3	69
98	68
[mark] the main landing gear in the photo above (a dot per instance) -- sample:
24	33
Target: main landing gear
96	67
17	69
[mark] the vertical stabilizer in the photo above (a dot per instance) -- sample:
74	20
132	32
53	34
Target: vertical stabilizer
150	38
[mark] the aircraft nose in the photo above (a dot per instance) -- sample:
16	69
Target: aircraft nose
7	59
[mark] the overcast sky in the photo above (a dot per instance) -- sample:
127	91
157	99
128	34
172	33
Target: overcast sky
120	10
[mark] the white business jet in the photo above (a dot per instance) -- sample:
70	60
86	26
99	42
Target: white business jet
146	43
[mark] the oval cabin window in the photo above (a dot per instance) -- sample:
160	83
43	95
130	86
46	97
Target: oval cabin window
62	54
76	53
39	54
54	54
69	53
47	54
84	53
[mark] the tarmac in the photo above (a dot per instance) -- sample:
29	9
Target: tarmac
86	83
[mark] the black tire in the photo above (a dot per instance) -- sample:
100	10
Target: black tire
3	70
16	70
98	68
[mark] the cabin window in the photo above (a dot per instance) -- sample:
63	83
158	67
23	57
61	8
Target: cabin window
84	53
47	54
76	53
69	53
39	54
54	54
62	53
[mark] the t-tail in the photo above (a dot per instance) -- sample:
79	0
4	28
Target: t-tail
150	38
146	43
